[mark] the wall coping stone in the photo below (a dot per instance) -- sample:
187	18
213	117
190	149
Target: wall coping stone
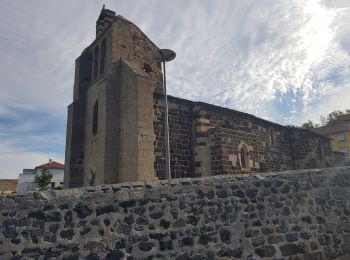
135	187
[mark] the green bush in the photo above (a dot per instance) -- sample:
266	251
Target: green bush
44	178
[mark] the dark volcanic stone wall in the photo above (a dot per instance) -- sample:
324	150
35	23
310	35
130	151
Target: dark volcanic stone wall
233	127
301	214
180	125
264	157
207	140
305	147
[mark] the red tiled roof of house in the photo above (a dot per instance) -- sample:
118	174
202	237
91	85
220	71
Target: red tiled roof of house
345	117
51	165
331	129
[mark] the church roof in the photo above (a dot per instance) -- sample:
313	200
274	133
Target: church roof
51	165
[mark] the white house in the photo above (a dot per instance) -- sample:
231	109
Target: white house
26	179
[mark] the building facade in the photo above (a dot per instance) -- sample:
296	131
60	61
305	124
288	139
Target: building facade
115	126
26	179
339	133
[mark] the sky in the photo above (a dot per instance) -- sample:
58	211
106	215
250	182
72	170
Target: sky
286	61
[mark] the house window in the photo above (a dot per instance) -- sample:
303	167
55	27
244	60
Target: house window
344	150
272	136
103	56
96	55
95	118
341	137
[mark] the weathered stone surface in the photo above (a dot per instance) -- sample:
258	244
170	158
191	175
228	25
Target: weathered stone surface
291	249
37	215
68	233
10	232
265	251
227	252
225	236
258	241
106	209
313	256
53	217
188	227
145	245
292	237
82	210
275	239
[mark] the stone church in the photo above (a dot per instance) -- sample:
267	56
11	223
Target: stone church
116	129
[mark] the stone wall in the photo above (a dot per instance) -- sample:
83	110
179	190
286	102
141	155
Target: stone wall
180	125
301	214
206	140
228	131
310	150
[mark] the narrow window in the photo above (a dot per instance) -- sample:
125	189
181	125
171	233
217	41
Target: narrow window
95	118
272	136
96	53
103	56
243	155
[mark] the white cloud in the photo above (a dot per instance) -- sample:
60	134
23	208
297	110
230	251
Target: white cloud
228	52
253	52
13	159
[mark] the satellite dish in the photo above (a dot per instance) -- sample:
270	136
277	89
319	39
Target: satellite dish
166	55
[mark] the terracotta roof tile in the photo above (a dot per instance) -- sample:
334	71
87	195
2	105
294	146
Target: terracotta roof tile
344	117
331	129
51	165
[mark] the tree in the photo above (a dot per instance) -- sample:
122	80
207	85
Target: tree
308	125
333	117
292	126
44	178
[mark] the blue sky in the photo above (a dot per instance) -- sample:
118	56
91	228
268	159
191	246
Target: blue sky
286	61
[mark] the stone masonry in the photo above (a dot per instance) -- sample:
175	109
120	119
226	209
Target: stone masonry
207	140
302	214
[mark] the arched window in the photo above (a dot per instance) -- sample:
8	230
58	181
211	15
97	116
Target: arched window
95	118
96	55
272	136
103	56
320	150
244	156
